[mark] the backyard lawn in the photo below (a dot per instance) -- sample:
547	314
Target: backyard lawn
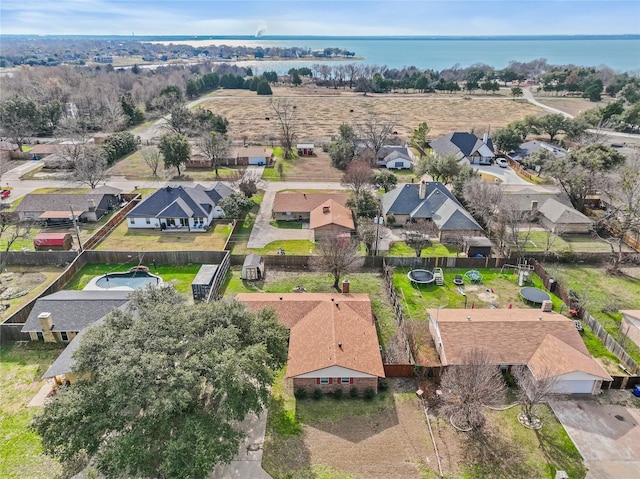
538	240
21	369
290	247
436	250
181	275
124	239
285	282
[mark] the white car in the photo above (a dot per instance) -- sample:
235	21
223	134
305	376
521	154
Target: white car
502	163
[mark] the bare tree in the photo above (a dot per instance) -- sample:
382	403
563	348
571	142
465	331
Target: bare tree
357	176
11	230
215	147
152	158
338	255
375	132
91	167
246	181
483	200
418	235
468	387
367	232
288	123
532	391
513	228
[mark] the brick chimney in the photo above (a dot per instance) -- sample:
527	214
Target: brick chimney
422	191
46	322
345	286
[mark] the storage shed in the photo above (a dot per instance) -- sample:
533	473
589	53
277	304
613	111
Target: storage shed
305	149
201	285
476	246
53	241
253	268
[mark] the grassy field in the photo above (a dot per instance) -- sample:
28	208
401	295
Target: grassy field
538	240
400	248
181	275
290	247
247	113
307	168
21	369
281	282
124	239
418	298
604	295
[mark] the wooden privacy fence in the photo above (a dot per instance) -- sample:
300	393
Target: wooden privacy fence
112	223
398	370
610	343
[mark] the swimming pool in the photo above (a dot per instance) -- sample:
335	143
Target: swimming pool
128	280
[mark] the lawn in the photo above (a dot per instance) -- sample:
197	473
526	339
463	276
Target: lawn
287	225
290	247
436	250
603	294
281	282
307	168
124	239
182	275
538	240
418	298
344	439
239	239
21	369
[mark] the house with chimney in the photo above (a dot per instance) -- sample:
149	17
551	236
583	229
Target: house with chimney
58	209
465	147
430	201
333	342
547	343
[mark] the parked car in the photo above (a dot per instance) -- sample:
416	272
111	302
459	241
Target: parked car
502	163
4	193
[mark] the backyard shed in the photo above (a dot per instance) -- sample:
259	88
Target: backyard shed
305	149
201	285
253	268
476	246
53	241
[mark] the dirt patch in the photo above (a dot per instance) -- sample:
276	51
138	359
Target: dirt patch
321	111
313	168
28	280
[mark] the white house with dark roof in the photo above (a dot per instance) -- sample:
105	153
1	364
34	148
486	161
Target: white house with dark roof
529	147
430	201
395	157
466	147
181	207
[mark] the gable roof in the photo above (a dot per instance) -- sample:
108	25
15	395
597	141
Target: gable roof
336	214
181	202
513	336
461	144
252	152
74	310
289	201
318	323
529	147
34	202
388	152
559	213
520	200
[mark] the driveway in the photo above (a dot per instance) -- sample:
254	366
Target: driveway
607	436
507	175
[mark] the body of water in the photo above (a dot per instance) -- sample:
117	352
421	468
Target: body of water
621	53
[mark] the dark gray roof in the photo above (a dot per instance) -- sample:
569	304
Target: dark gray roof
107	190
521	200
181	201
205	274
74	310
59	201
477	241
252	260
461	144
453	217
529	147
558	213
386	150
404	199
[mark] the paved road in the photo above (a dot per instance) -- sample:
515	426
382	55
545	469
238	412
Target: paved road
507	175
528	95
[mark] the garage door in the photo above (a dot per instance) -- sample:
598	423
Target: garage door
574	387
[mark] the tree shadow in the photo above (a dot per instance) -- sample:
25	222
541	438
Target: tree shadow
558	449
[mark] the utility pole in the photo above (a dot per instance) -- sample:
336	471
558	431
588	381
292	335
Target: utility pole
73	218
377	220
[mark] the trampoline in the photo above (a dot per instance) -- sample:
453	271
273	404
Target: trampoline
420	276
534	295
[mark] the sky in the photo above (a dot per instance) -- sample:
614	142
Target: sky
320	17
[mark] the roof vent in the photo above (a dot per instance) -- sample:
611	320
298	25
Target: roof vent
337	305
340	345
468	318
539	318
280	298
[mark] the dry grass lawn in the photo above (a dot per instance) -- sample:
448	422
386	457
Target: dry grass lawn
123	239
307	168
322	110
34	279
572	106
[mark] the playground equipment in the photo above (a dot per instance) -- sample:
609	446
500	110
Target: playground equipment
522	269
420	276
474	276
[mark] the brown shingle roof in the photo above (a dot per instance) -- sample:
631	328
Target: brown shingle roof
331	213
513	336
555	357
304	202
318	324
252	152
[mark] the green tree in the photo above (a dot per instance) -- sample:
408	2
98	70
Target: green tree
506	139
552	124
385	179
118	145
343	150
164	386
19	118
295	78
419	137
216	147
364	204
175	150
516	92
134	115
263	88
443	168
236	205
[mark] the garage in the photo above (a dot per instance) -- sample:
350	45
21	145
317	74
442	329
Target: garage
577	383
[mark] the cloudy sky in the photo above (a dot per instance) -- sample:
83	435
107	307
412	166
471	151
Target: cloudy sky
320	17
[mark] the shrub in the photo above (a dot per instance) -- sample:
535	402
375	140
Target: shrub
383	385
353	392
337	394
391	219
300	394
509	380
263	88
317	394
369	394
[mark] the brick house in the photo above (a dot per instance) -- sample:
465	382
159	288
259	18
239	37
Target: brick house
333	343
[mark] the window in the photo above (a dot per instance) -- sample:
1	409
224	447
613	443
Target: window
40	336
148	220
345	380
132	221
64	336
324	380
287	213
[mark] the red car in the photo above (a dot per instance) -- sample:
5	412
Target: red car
5	193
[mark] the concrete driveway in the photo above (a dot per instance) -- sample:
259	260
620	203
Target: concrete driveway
507	175
607	436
